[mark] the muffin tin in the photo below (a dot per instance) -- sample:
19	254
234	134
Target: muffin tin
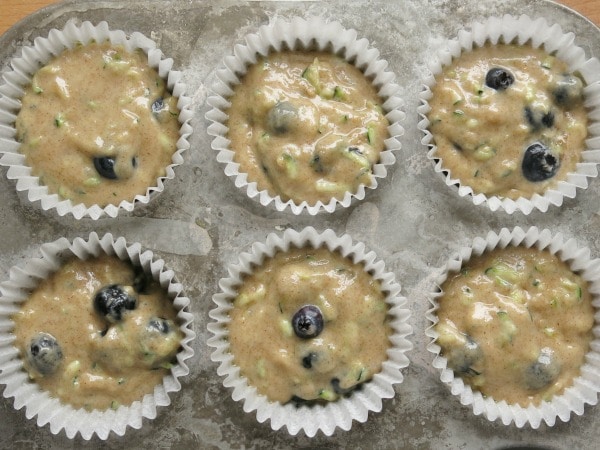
201	222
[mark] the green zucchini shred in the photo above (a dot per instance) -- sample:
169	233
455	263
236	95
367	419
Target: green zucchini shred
338	93
59	120
327	394
371	134
503	274
357	157
311	74
290	165
484	152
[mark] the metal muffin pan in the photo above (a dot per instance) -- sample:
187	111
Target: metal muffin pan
201	222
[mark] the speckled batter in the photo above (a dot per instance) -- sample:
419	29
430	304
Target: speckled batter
482	133
349	350
103	364
516	324
307	126
98	101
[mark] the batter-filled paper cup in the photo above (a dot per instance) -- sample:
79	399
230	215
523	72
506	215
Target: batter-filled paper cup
324	417
585	387
22	69
38	403
552	39
303	34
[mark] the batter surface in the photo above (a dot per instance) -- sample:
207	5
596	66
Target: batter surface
97	125
94	357
306	126
508	120
516	324
290	360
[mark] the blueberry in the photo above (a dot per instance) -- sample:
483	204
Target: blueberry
281	117
158	105
548	119
457	146
316	164
112	301
299	400
499	79
308	322
462	359
543	371
335	383
308	360
44	353
161	110
158	324
105	167
538	118
140	280
568	91
539	163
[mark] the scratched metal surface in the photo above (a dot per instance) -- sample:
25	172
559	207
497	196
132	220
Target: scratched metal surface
201	222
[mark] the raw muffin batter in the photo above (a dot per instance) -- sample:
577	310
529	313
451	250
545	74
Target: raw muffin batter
309	325
306	126
97	333
508	120
515	324
97	125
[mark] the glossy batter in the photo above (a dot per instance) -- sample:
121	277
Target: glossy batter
306	126
97	125
516	324
348	350
98	362
483	132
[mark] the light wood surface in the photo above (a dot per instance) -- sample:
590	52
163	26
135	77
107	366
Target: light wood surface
11	11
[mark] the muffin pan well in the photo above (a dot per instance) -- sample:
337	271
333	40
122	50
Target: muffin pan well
201	223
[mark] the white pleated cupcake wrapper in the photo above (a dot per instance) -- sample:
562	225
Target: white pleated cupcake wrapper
553	40
585	387
31	59
59	416
302	34
324	417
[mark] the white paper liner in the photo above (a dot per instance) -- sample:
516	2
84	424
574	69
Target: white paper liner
327	417
585	387
16	290
300	34
553	40
12	89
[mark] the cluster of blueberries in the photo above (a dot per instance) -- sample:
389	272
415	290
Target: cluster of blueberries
45	353
539	162
307	323
539	374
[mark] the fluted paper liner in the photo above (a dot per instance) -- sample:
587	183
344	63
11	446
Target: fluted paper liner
585	387
538	33
323	417
303	34
20	75
50	411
